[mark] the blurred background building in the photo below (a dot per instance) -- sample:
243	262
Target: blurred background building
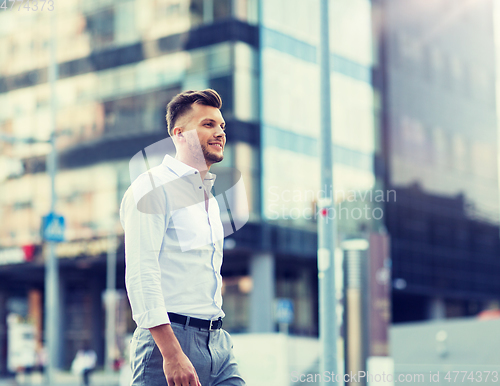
414	142
437	81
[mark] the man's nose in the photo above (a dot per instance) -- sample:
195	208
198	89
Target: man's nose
219	132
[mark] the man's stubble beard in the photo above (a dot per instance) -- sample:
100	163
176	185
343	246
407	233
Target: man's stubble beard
208	156
211	157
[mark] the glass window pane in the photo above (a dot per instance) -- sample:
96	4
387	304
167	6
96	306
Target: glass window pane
196	12
222	9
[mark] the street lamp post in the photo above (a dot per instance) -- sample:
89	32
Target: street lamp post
328	330
52	285
51	263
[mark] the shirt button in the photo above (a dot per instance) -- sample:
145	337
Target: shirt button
195	172
200	187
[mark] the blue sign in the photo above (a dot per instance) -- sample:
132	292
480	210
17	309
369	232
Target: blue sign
53	227
284	311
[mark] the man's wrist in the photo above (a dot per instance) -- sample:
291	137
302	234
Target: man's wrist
166	341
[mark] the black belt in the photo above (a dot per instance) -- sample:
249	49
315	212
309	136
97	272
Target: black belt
195	322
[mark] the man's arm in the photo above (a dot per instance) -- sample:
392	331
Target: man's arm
144	215
177	367
144	220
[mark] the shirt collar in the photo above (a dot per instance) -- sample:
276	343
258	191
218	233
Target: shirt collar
181	169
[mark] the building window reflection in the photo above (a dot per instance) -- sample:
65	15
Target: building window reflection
100	26
236	292
437	63
196	12
138	113
460	156
222	9
441	148
484	160
456	73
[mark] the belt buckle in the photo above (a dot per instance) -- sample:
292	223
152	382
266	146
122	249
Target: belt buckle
210	325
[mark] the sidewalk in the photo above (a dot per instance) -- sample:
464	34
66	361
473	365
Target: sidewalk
99	378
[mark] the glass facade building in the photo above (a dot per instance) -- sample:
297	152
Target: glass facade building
437	81
291	107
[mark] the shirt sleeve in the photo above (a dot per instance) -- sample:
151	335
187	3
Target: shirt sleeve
144	216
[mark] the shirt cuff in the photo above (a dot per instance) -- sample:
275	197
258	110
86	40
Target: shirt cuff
152	318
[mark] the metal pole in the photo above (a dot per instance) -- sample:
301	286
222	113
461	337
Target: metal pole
496	34
51	263
354	300
110	299
328	330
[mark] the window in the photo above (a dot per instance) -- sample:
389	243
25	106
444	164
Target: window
100	26
397	45
246	10
467	83
222	9
42	103
484	159
196	12
169	17
246	87
236	302
427	64
481	88
447	76
441	148
21	205
126	24
460	156
437	62
457	73
241	9
224	86
138	113
415	140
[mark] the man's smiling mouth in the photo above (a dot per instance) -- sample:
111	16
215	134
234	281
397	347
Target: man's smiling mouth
217	144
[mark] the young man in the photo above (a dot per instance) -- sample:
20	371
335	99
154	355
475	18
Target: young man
173	250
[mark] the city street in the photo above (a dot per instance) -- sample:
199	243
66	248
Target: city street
98	378
308	190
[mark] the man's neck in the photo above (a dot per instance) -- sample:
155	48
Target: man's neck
202	167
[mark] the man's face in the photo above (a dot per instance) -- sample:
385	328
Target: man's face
208	123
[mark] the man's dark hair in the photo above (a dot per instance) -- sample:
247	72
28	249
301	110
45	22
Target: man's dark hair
181	104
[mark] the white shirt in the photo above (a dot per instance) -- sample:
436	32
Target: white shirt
84	360
173	246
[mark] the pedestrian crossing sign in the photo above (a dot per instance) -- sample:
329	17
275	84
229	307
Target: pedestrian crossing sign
284	310
53	227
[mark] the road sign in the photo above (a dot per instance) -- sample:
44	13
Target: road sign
53	227
284	311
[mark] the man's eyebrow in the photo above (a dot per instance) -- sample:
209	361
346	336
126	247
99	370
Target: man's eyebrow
223	124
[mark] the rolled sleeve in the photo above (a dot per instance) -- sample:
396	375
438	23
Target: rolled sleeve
152	318
144	219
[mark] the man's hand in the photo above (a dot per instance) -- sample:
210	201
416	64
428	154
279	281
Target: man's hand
179	371
177	367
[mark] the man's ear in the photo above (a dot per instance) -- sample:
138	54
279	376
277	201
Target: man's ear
178	133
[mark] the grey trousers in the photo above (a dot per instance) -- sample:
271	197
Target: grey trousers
210	352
